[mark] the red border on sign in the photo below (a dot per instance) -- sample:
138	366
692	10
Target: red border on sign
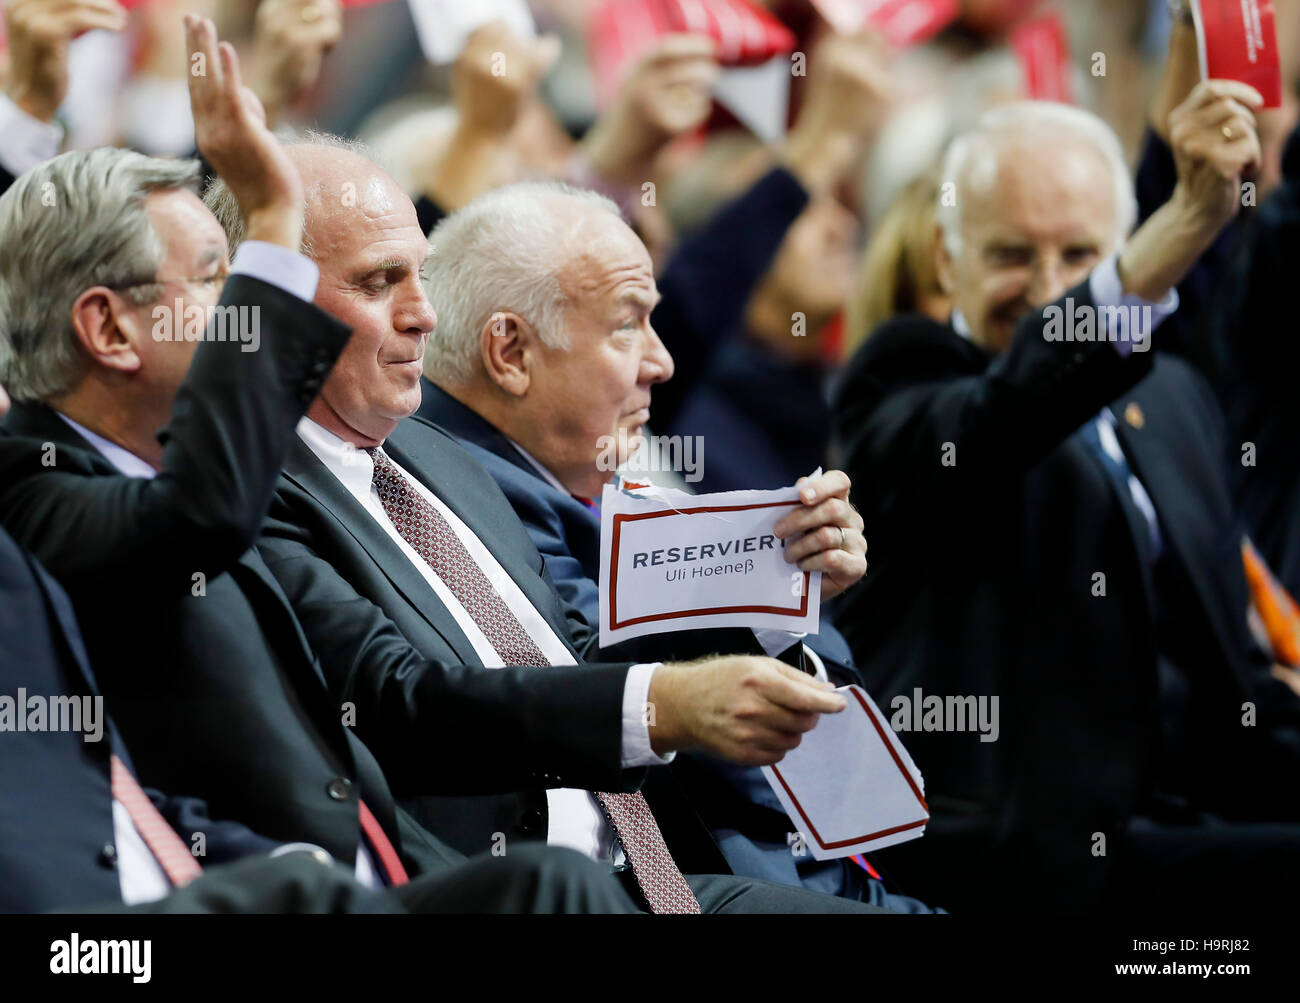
616	624
812	830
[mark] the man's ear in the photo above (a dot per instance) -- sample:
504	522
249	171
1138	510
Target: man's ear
508	344
108	336
943	263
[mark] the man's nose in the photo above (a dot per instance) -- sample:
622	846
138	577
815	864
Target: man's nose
1051	278
657	364
415	313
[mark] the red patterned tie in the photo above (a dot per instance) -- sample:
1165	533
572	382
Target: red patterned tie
429	534
173	855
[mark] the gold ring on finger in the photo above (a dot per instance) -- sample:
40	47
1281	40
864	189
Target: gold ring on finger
1227	133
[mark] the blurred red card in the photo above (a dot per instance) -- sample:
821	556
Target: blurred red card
902	22
621	30
1043	50
1238	41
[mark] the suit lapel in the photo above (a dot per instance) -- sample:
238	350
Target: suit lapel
419	452
306	471
1182	525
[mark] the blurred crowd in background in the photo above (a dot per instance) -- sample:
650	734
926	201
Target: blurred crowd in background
865	127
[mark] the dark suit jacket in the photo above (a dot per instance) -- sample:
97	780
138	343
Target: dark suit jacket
1234	302
1250	330
567	533
982	583
210	678
56	823
504	734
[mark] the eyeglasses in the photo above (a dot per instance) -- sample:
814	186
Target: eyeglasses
212	282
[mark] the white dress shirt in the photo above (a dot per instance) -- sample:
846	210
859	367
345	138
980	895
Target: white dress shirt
141	877
576	818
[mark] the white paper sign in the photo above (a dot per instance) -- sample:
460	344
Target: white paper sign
444	26
670	560
850	786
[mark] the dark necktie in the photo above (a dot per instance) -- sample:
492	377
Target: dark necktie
431	536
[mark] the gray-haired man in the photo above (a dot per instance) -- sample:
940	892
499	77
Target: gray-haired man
378	512
1053	533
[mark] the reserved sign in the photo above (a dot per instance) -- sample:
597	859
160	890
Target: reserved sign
677	561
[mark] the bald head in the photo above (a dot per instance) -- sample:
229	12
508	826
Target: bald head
343	188
343	182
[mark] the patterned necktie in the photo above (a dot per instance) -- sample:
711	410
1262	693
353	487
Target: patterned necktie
169	849
429	534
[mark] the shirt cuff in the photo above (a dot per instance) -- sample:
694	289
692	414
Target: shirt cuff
295	273
636	721
1139	315
27	140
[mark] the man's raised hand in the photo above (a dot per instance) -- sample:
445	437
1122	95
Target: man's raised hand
39	33
230	130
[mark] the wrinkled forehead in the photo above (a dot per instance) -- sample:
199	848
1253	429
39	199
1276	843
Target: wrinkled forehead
186	227
605	257
1049	184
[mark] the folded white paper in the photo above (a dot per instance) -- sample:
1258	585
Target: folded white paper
670	560
850	786
444	26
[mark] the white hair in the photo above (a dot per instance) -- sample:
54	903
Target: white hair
975	154
69	224
506	251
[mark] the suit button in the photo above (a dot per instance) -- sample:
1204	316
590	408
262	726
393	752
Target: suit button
108	855
530	824
340	788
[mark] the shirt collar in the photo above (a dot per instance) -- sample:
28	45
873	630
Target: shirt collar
551	479
959	324
352	466
124	460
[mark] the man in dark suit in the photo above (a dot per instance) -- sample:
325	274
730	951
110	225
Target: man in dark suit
216	688
1052	531
448	563
78	832
516	408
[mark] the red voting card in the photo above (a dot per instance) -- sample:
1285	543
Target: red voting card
902	22
1238	41
1043	50
621	30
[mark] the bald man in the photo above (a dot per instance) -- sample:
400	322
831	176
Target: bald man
1052	537
379	511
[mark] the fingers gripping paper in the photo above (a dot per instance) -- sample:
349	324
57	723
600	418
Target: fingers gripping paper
675	561
850	786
